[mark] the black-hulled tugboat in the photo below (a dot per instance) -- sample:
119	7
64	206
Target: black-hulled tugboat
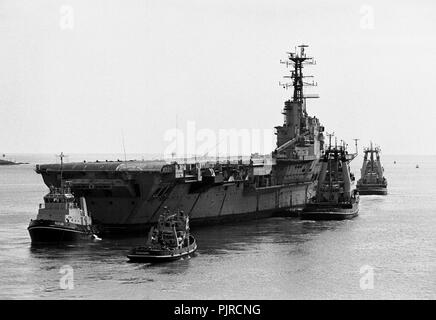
169	240
335	198
372	181
61	217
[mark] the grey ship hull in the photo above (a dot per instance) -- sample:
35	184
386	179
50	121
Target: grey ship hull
330	212
130	201
45	231
372	189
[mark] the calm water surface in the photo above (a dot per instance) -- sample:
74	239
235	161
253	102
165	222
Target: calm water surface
277	258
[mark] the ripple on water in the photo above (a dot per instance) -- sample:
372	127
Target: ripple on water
277	258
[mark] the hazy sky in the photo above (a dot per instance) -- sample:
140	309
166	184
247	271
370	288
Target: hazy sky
77	75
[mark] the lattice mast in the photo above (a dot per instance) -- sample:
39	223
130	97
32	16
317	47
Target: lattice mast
297	60
295	115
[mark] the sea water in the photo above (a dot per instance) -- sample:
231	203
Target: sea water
387	252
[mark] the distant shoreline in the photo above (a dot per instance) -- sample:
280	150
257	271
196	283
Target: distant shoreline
10	163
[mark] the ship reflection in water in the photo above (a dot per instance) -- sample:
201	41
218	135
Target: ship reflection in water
231	259
218	240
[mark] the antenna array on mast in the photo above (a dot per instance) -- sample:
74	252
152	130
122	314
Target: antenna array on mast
61	156
296	60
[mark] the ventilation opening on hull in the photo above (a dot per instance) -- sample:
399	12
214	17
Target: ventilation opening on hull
137	190
161	192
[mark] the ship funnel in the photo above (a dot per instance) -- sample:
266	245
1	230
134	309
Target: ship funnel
364	166
83	205
321	178
347	179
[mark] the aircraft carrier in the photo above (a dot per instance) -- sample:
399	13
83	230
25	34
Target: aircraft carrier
128	196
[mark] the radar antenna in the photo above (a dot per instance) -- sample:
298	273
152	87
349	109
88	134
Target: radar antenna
296	60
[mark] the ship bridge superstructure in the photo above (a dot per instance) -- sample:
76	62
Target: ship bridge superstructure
372	170
372	180
301	136
335	184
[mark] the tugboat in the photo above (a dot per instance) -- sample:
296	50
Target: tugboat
61	217
372	181
335	198
169	240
